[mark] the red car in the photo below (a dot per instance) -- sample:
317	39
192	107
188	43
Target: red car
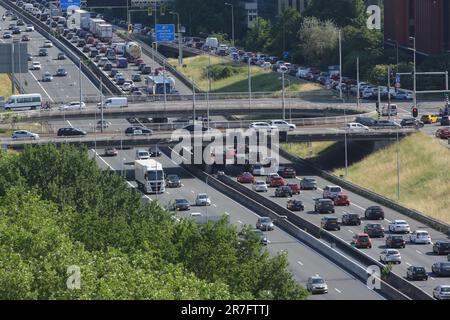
246	177
362	240
341	200
443	133
295	188
138	61
277	182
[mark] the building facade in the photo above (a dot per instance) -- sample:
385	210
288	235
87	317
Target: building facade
426	20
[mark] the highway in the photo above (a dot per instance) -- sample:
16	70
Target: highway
303	261
61	89
416	255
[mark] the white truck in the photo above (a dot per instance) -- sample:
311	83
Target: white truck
79	19
93	22
149	175
133	51
104	32
211	43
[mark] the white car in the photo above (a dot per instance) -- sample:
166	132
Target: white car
29	28
282	125
260	186
316	284
403	95
74	105
35	65
202	200
420	236
127	85
23	134
266	65
48	44
262	126
356	127
142	154
399	226
390	256
331	192
442	292
258	170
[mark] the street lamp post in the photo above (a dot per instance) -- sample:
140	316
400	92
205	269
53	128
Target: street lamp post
414	71
340	65
398	168
283	97
180	51
396	46
232	20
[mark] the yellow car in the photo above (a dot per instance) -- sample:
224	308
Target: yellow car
429	118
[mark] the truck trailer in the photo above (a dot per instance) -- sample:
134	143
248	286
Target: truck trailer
149	175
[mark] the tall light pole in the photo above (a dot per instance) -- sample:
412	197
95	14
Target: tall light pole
249	85
357	81
180	50
232	20
282	96
79	80
396	46
414	70
398	168
340	65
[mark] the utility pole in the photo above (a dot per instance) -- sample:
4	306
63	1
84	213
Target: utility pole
101	104
345	142
193	96
340	65
414	70
165	91
389	93
357	81
209	88
249	85
398	168
13	76
282	96
79	80
232	20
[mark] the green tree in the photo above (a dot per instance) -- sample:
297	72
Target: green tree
259	35
341	12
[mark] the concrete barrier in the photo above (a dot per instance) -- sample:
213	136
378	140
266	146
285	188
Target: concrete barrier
414	214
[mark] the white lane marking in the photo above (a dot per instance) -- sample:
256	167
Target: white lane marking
337	290
268	241
69	123
192	191
300	263
320	189
40	85
387	220
167	192
418	252
432	278
214	205
182	185
409	264
239	221
349	230
354	204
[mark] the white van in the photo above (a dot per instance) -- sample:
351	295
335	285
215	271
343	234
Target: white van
28	7
116	102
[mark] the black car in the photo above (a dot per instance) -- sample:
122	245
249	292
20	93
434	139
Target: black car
155	152
130	130
366	121
173	181
107	67
441	247
323	206
43	52
395	241
374	230
182	205
61	56
330	223
416	273
16	31
283	191
441	268
411	122
70	132
61	72
195	128
287	172
386	124
374	213
351	219
445	120
295	205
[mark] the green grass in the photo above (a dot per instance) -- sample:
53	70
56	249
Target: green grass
262	80
424	174
308	150
5	86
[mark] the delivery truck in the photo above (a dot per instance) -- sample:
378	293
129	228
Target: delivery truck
149	176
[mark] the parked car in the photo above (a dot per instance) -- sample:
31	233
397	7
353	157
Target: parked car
351	219
47	44
441	247
374	230
441	268
260	186
61	72
260	235
141	131
330	223
43	52
316	284
202	200
35	65
420	236
258	170
283	191
47	77
61	56
70	132
24	134
173	181
374	213
399	226
264	224
246	177
323	206
395	241
361	240
155	152
295	205
416	273
26	37
390	256
308	183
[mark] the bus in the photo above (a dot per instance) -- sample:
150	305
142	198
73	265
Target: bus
24	102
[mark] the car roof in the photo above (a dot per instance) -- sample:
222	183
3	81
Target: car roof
400	221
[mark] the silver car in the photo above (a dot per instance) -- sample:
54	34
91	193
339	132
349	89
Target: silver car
23	134
202	200
390	256
265	224
316	284
308	183
442	292
399	226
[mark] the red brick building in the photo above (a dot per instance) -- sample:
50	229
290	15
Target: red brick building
427	20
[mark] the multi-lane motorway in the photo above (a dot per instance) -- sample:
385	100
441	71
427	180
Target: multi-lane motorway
303	261
61	89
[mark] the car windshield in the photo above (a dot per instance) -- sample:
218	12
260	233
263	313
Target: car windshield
363	238
261	183
419	270
155	175
445	289
397	237
173	177
203	196
336	189
265	220
143	154
391	252
318	281
181	201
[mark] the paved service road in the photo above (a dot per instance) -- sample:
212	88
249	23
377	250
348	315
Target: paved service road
303	261
416	255
61	89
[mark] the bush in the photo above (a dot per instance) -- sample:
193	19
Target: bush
218	72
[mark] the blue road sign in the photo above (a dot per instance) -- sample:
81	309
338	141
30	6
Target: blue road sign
165	32
64	4
285	55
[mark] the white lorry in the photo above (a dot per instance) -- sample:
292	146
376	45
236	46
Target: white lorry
149	175
104	32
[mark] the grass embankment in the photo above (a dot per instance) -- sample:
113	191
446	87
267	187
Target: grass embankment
308	150
233	77
5	86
